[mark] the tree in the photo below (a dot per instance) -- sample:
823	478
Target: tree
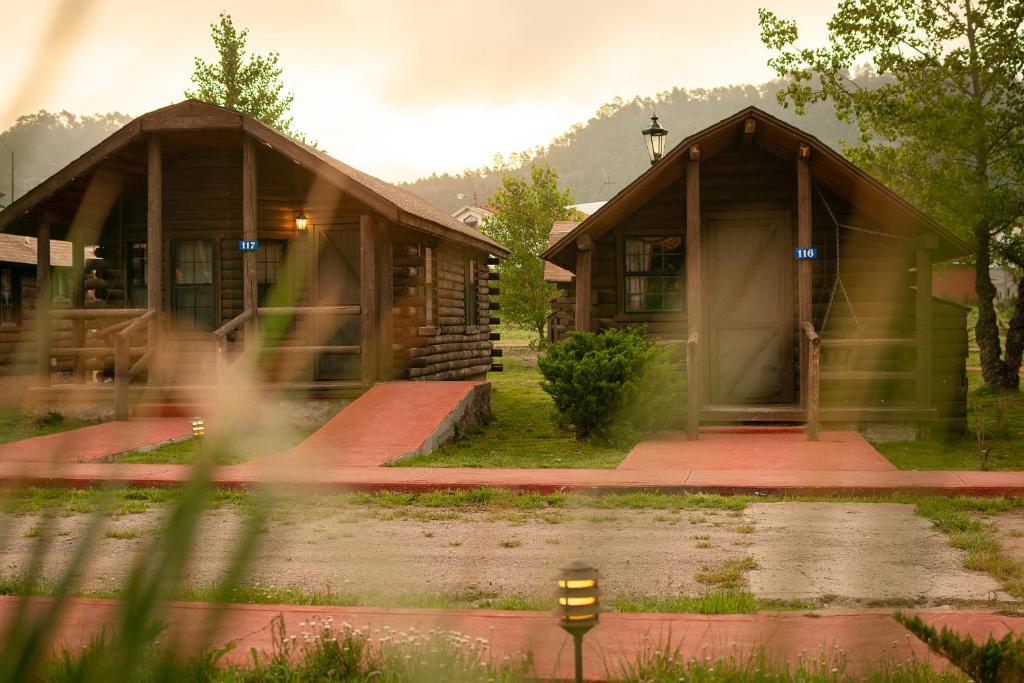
247	83
946	129
525	212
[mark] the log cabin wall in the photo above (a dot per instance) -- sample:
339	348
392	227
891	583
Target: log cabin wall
434	339
878	272
562	319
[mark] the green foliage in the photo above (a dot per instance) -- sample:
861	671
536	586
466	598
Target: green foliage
994	661
237	80
946	129
612	384
524	214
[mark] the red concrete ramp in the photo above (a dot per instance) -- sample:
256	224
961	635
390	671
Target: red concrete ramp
97	442
756	449
389	422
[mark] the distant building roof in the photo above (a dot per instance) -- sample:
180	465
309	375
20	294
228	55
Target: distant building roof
588	208
18	249
553	273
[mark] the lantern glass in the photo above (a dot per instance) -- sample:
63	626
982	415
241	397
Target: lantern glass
654	138
198	427
301	221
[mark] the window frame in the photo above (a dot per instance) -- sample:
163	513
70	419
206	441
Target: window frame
470	291
16	310
620	276
281	273
214	286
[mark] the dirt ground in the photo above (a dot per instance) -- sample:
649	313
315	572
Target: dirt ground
840	552
1009	528
858	552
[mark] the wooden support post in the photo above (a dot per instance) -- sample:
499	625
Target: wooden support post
250	232
43	303
813	388
694	297
368	299
805	304
924	331
154	250
584	259
122	377
78	301
385	266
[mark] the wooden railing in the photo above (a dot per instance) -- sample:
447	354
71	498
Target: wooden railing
693	391
813	385
124	369
220	338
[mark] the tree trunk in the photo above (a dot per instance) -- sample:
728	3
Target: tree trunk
1015	335
994	370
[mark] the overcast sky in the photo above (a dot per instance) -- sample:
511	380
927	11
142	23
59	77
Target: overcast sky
398	88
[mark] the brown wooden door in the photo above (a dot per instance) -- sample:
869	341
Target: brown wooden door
337	284
749	304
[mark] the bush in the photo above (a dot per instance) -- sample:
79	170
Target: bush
993	661
613	385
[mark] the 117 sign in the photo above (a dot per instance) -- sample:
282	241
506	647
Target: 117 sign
248	245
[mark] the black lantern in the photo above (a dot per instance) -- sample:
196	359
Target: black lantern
654	137
578	606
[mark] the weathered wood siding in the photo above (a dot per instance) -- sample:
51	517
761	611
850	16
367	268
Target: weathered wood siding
433	338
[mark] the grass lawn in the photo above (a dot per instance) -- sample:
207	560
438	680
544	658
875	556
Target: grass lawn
1001	414
522	432
241	448
15	425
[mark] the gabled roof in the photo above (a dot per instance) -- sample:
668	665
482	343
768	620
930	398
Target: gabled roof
398	205
828	167
553	273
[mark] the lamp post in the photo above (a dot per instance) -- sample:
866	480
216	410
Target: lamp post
654	137
199	432
11	152
578	606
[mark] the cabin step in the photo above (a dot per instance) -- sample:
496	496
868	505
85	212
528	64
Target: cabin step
741	413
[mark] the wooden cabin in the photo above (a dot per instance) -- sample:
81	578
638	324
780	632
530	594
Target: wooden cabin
800	286
561	319
220	239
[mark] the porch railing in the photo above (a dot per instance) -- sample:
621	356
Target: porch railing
124	369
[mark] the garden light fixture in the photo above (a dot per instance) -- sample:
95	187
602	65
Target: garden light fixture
301	221
578	606
654	137
198	428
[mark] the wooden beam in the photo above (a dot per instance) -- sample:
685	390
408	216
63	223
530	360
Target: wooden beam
250	232
805	303
749	126
584	260
385	263
154	244
43	303
368	299
694	296
924	332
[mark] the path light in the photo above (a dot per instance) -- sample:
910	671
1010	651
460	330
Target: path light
654	136
300	221
198	428
578	607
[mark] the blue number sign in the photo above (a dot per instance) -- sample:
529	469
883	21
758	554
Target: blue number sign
248	245
801	253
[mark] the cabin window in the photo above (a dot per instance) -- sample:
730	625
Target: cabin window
60	285
472	309
653	276
269	268
138	286
193	291
10	300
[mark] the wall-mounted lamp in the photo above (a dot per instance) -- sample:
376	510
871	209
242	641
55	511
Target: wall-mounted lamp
301	221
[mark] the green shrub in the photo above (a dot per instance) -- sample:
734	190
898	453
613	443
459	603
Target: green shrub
613	385
994	661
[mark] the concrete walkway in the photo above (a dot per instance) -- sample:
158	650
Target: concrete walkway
756	448
88	444
861	636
